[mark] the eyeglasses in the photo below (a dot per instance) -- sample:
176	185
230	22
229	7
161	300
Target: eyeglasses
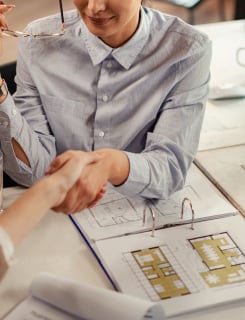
18	34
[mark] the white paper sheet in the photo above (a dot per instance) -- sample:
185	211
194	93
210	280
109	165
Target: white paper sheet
184	269
117	215
224	120
226	168
224	124
56	298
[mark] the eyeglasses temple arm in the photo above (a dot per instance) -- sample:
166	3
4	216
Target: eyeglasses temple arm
62	15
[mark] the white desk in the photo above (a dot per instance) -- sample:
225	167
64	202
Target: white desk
222	144
224	121
55	246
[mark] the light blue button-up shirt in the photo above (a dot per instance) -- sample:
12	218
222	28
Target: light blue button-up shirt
146	97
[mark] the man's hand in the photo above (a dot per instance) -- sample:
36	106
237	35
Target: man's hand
113	167
67	170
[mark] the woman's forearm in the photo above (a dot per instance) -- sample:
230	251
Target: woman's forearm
28	210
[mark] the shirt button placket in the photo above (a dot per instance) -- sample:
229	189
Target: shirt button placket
109	65
101	134
105	98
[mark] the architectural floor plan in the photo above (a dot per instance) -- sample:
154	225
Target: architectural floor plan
182	268
222	260
117	215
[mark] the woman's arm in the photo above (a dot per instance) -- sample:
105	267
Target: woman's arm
29	209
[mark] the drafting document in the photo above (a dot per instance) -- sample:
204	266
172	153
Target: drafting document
181	268
55	298
116	215
226	168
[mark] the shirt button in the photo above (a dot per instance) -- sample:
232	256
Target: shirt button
101	134
105	98
14	112
109	65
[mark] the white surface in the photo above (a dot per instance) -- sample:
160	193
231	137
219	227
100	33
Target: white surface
55	247
58	298
226	168
224	121
227	91
226	38
116	215
185	262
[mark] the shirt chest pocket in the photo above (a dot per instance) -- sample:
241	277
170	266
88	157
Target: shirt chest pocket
69	122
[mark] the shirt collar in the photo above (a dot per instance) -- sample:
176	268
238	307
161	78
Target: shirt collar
126	54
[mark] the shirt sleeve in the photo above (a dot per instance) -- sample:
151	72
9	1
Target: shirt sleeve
161	168
39	148
6	252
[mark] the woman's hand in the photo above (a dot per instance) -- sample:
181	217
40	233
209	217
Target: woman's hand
4	8
113	167
66	170
19	218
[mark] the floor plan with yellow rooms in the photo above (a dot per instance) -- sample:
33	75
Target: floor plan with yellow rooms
223	264
182	268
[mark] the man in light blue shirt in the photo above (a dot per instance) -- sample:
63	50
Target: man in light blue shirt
124	79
